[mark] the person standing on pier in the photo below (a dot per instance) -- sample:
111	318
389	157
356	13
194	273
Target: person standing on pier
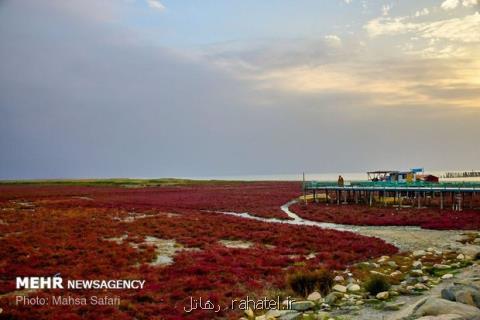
340	181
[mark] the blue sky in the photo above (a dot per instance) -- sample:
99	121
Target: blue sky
148	88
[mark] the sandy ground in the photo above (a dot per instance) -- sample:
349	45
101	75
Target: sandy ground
406	239
469	275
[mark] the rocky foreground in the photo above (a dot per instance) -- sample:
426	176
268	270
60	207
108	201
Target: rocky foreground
442	284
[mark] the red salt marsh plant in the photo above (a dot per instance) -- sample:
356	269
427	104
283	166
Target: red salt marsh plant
259	198
72	236
429	218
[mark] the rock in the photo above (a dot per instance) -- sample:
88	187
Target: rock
275	313
325	307
466	297
418	253
404	268
353	288
405	291
462	238
383	295
378	273
416	272
441	266
417	264
339	288
447	276
442	317
302	305
261	318
359	302
411	280
392	264
477	240
332	297
364	264
421	286
250	314
467	294
282	314
291	316
382	259
393	306
338	279
314	296
396	274
471	250
461	256
436	306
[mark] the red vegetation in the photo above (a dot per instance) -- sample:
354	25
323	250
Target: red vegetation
259	198
429	218
66	229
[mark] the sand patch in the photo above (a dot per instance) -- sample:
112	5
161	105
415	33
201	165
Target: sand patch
117	240
165	249
83	198
133	216
236	244
23	205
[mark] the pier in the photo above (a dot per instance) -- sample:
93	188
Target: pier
458	196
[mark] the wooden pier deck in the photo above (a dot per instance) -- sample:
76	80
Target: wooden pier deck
458	197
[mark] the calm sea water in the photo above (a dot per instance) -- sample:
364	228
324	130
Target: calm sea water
348	176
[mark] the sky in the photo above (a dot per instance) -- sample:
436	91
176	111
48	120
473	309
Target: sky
208	88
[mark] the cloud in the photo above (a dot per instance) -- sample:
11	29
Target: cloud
349	71
389	26
400	83
333	40
386	9
470	3
156	4
450	4
79	99
463	29
423	12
